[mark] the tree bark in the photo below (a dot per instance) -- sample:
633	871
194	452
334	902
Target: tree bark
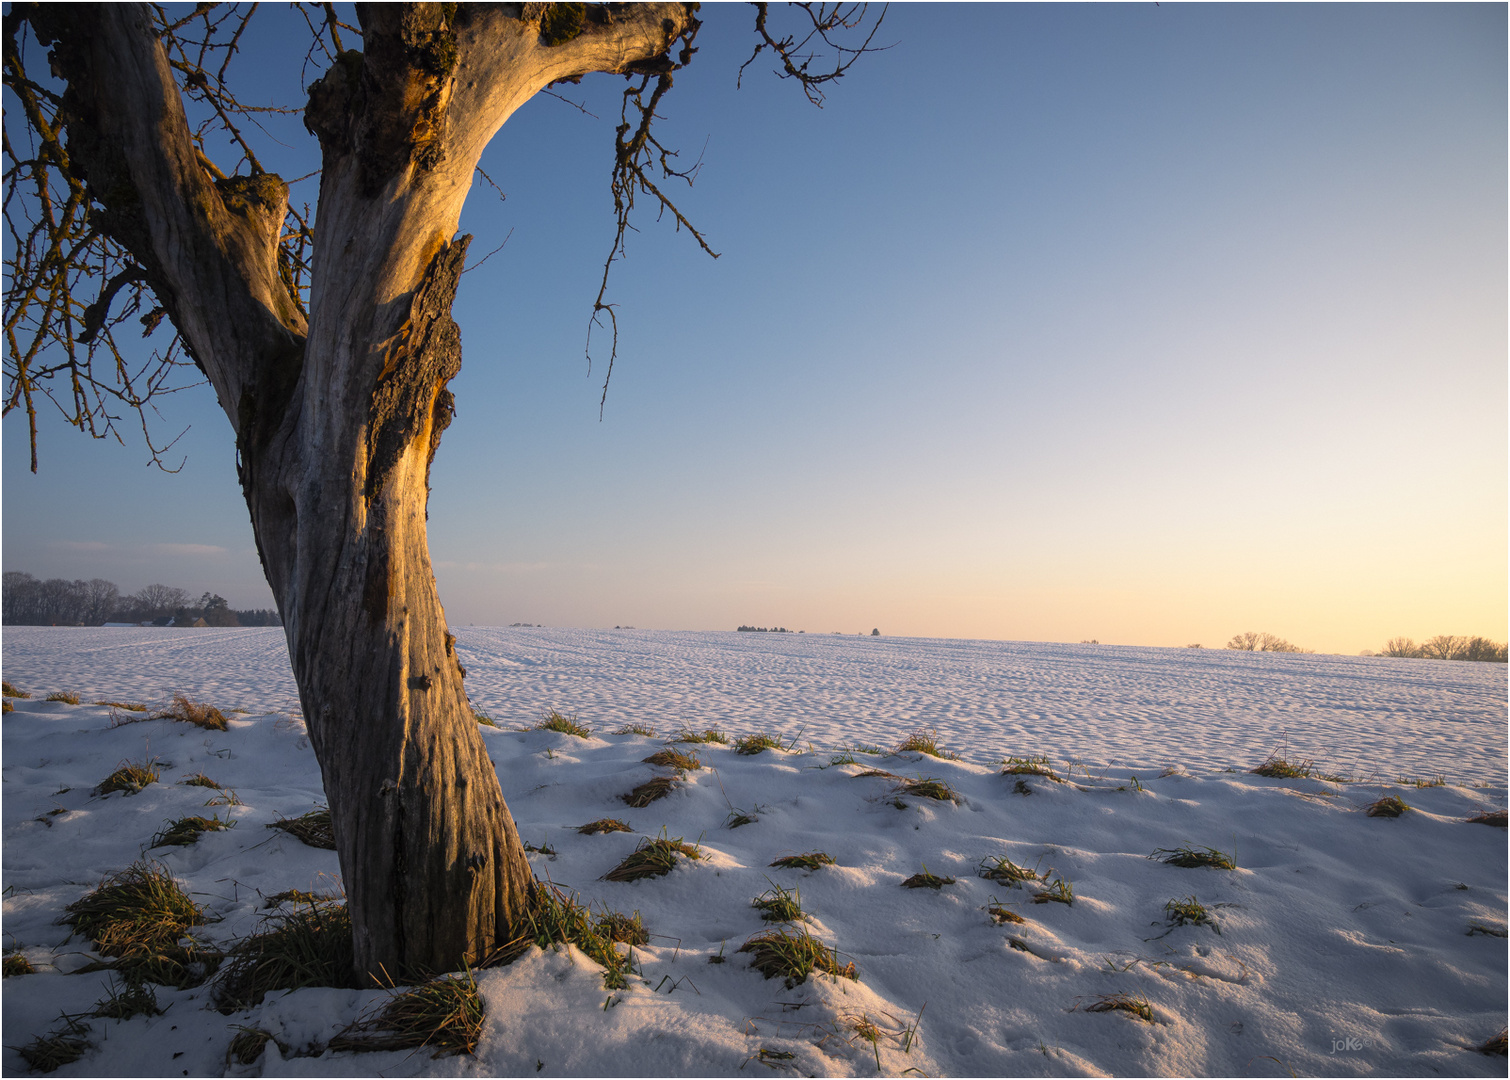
338	418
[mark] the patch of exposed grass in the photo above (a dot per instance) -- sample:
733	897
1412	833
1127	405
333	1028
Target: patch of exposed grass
1417	782
484	719
10	691
128	706
1190	857
650	791
566	725
224	798
1278	768
248	1044
123	1004
310	946
793	955
925	880
129	777
139	913
1057	891
881	774
750	745
924	742
780	905
618	927
188	830
1001	915
1133	1006
1497	818
929	788
1030	766
1002	869
674	759
199	779
808	861
603	825
556	918
444	1014
637	729
1389	806
67	697
16	964
653	858
1488	929
1495	1044
49	1053
6	706
192	712
298	896
738	817
706	735
313	828
1189	912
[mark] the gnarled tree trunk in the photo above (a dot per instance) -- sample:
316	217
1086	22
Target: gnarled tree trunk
338	416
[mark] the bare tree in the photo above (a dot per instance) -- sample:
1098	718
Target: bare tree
100	600
1444	647
1250	641
1401	647
156	600
338	404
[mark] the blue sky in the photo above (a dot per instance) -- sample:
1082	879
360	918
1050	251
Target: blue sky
1147	324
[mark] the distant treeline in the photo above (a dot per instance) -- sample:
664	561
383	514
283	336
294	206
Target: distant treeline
1447	647
765	630
58	602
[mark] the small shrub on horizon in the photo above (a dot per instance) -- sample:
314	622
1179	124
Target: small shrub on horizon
566	725
1256	642
67	697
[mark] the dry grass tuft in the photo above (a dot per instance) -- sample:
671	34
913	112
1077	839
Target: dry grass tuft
566	725
556	918
123	1004
199	779
484	719
706	735
750	745
925	880
929	788
314	828
1057	891
1002	869
67	697
1190	857
188	830
809	861
637	729
139	908
880	773
128	706
310	946
16	964
298	896
1495	1044
603	825
1133	1006
1389	806
653	858
924	742
49	1053
10	691
1000	915
192	712
1189	912
674	759
794	955
129	777
1030	766
650	791
780	905
1489	817
618	927
248	1044
1278	768
445	1014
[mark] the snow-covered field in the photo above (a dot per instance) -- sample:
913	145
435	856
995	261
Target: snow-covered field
1347	944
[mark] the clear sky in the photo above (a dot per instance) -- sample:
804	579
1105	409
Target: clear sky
1136	323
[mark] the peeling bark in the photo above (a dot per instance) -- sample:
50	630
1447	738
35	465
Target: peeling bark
338	418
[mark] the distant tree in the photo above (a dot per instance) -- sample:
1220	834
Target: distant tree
875	633
1444	647
158	601
1254	642
100	599
1402	647
1486	651
216	612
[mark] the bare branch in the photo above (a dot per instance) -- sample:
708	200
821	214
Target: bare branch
825	23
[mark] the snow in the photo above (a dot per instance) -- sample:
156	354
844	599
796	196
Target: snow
1344	944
